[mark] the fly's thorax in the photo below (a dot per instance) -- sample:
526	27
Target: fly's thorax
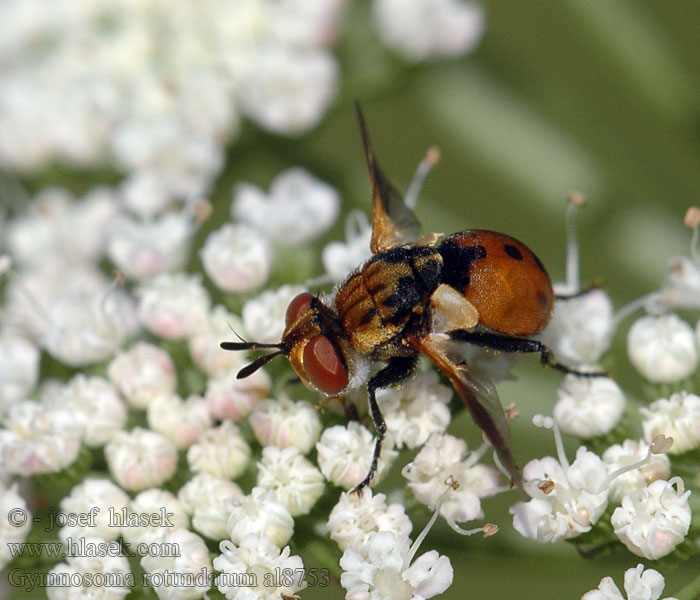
387	295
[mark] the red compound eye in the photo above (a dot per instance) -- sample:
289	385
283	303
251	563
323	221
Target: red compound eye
323	366
299	305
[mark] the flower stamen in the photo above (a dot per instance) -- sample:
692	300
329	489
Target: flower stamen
692	220
431	158
659	445
573	283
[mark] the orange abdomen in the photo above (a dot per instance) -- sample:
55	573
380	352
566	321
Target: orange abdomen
502	278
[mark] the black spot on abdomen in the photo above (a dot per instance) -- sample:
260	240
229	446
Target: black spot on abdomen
539	264
513	252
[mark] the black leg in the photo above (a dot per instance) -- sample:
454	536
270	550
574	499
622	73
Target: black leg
397	370
510	343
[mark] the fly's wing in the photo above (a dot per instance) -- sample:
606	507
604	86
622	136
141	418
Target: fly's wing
393	223
481	399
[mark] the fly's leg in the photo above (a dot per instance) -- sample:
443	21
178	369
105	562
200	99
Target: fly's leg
510	343
397	370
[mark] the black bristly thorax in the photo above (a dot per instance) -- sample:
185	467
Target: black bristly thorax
388	296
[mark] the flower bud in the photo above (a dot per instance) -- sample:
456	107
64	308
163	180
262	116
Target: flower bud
206	498
630	452
345	455
221	452
442	458
652	521
423	30
298	208
39	439
285	423
182	422
98	496
639	585
231	398
588	406
140	458
663	349
191	564
141	250
254	555
261	514
84	570
566	499
94	402
204	347
173	305
355	517
581	328
87	327
297	483
677	418
237	257
263	316
149	503
143	373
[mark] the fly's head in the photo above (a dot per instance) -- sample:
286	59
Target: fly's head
313	342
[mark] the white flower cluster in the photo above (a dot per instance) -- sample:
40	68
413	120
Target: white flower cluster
156	87
631	482
45	435
663	347
444	458
238	257
152	408
653	516
377	561
639	583
56	296
567	499
429	29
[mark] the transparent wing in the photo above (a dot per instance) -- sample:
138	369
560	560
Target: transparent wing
393	223
481	400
